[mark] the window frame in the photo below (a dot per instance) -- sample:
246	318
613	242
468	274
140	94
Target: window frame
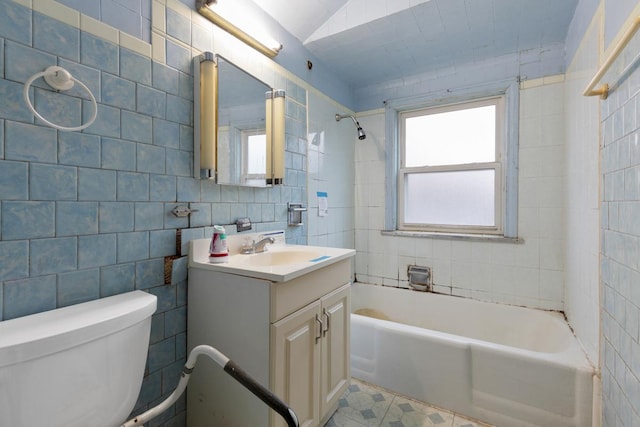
496	165
508	211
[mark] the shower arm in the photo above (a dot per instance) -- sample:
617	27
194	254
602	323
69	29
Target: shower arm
344	116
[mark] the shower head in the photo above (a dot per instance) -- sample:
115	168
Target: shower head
361	134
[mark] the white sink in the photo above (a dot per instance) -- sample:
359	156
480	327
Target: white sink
279	257
281	262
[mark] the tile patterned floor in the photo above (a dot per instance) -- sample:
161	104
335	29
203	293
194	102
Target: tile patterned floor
365	405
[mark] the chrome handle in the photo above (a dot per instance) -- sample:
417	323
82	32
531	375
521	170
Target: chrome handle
320	327
327	316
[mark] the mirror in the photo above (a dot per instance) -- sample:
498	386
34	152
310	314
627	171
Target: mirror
242	140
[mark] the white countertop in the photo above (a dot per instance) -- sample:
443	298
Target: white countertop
243	265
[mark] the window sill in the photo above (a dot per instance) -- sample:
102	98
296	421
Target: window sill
454	236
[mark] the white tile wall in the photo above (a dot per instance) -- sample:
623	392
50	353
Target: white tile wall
331	150
529	273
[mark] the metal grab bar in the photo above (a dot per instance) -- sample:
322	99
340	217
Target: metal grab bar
603	91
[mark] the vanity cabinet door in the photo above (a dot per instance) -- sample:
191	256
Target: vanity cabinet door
335	371
295	364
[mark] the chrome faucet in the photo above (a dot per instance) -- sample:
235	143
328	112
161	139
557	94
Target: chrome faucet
258	247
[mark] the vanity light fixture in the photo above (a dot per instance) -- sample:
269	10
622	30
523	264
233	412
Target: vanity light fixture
223	13
206	115
275	123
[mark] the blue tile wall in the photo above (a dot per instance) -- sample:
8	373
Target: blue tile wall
86	215
620	255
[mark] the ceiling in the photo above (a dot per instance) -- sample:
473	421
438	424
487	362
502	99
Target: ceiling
372	41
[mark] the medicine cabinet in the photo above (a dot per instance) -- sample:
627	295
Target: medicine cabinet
239	125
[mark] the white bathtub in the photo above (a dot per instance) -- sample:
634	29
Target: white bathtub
509	366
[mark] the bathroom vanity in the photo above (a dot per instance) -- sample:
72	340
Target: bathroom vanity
284	317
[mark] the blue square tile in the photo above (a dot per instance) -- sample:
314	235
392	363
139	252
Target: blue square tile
239	210
90	77
135	67
58	108
188	189
179	163
175	321
107	121
181	345
29	142
179	109
151	159
14	260
133	187
116	217
133	246
202	216
149	216
57	255
118	154
166	297
186	138
53	36
96	184
149	273
161	354
29	296
136	127
14	180
178	57
166	133
151	102
78	286
157	335
1	139
12	106
162	243
186	86
76	218
117	279
78	149
178	26
27	220
162	188
221	214
188	235
99	53
118	92
22	62
164	78
152	383
120	15
96	251
15	22
201	37
53	182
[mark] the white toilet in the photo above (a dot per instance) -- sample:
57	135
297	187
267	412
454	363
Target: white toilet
80	365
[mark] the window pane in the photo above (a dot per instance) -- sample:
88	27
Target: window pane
257	154
450	198
453	137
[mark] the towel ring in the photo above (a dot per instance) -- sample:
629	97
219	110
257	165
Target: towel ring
59	79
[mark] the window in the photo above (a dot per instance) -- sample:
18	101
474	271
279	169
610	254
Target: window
254	156
450	176
454	163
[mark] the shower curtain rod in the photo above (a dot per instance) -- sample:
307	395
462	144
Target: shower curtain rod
603	90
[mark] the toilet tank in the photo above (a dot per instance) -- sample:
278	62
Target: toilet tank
80	365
